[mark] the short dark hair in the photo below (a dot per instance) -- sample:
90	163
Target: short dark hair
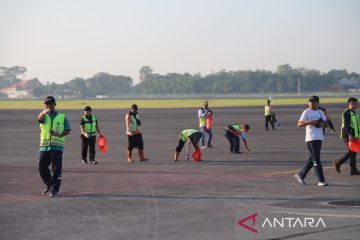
87	108
314	99
247	127
134	107
352	99
268	101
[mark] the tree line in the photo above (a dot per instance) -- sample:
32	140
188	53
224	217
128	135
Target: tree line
285	79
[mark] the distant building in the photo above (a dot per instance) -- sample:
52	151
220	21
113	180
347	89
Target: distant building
18	90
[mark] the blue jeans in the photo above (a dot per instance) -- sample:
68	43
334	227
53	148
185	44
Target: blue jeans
209	132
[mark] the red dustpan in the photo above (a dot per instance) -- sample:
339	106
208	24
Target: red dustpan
209	121
354	144
102	144
197	156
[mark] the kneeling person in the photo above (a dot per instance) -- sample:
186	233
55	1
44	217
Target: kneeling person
188	135
232	133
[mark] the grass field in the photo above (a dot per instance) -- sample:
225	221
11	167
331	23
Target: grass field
172	103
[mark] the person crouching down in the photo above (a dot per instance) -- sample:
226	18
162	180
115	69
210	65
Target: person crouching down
135	139
188	136
232	133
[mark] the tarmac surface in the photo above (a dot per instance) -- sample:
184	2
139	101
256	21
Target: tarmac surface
161	199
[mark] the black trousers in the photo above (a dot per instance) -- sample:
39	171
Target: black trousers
349	155
55	159
234	141
267	120
314	148
88	143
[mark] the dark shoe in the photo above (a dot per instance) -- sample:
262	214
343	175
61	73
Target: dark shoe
237	152
93	162
54	194
46	190
144	160
336	164
355	172
84	161
209	146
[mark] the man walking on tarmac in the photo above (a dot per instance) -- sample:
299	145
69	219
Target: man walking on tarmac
203	114
188	135
135	139
54	126
268	117
314	120
89	126
350	129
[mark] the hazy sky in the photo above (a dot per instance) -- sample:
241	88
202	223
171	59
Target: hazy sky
59	40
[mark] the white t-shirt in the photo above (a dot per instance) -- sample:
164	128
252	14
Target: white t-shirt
312	132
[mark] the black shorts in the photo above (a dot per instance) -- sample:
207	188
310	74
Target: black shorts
135	141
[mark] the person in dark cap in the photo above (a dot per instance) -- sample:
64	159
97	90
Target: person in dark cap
89	126
350	130
314	120
54	126
135	140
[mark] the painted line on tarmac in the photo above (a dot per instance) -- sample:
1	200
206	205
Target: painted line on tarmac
102	190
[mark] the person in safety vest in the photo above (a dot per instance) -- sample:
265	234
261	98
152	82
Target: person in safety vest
188	136
89	126
54	126
203	114
232	133
350	129
135	139
269	116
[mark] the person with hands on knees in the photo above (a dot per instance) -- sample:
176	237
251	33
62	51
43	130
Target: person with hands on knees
232	133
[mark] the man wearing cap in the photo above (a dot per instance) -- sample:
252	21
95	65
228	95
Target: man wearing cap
232	133
133	133
314	120
89	126
54	126
350	130
191	136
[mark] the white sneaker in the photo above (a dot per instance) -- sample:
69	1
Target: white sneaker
322	184
299	179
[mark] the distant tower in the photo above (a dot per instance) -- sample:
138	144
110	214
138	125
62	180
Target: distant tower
299	86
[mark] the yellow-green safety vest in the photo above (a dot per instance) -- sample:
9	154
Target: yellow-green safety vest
56	125
90	128
267	110
354	124
133	124
186	133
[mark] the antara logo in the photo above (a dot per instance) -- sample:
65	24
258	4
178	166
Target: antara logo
286	222
242	223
